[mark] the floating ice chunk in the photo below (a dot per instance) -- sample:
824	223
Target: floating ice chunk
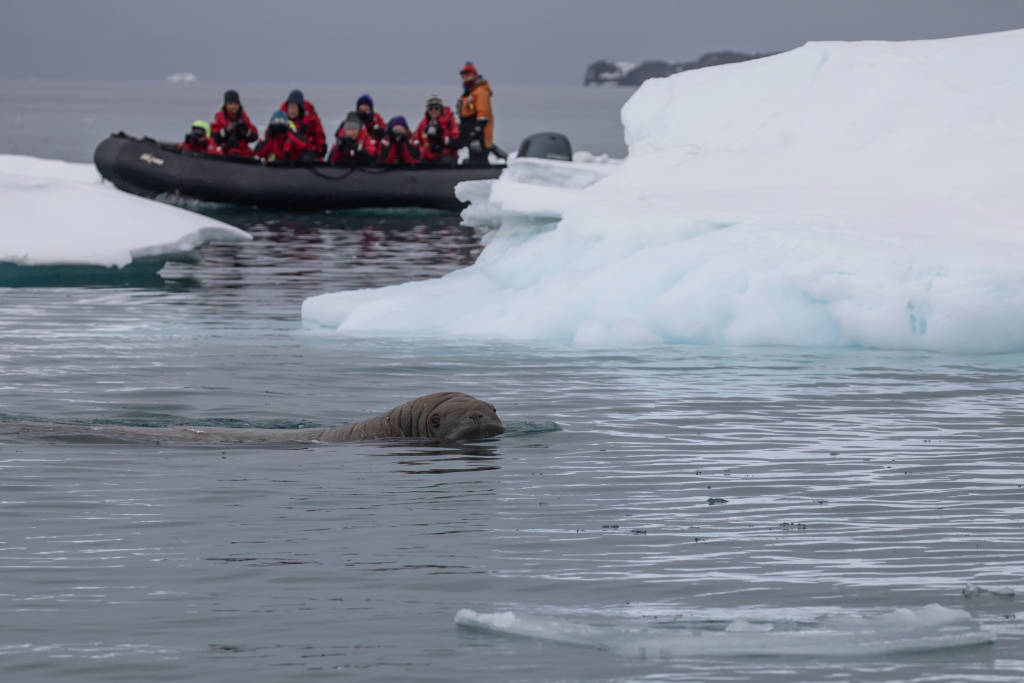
971	591
58	213
931	627
530	188
841	194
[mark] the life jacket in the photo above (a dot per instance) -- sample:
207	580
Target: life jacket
208	147
239	144
362	150
406	152
284	147
308	125
442	144
475	104
373	123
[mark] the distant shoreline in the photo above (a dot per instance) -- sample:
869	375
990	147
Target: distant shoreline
604	72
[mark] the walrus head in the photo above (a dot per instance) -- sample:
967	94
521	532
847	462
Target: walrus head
457	417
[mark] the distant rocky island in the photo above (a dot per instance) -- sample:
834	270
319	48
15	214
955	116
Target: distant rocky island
604	72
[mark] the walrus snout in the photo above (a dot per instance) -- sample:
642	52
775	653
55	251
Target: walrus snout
487	425
477	424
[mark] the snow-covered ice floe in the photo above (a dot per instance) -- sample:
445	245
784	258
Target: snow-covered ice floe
59	214
183	77
840	194
931	627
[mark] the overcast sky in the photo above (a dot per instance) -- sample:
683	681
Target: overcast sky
403	41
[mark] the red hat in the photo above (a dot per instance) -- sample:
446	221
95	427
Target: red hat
468	69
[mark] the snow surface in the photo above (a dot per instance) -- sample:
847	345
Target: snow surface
840	194
60	213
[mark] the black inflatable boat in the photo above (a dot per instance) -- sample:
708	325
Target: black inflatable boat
147	167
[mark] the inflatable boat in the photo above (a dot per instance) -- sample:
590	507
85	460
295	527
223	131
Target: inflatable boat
147	167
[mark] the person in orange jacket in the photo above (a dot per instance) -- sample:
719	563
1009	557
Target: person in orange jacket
476	118
438	133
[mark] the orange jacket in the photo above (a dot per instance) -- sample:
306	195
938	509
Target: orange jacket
476	103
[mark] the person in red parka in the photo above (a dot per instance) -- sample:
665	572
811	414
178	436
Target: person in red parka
398	147
232	129
198	140
438	133
307	123
353	146
372	121
281	143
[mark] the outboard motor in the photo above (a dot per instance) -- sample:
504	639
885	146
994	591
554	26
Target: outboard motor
546	146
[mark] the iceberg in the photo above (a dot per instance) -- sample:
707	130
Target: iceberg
183	77
56	213
860	194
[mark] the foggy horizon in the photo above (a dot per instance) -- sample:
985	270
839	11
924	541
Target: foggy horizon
532	43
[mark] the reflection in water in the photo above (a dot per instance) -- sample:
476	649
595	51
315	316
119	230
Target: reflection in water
443	458
305	254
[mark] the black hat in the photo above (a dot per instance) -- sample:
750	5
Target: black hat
231	96
296	97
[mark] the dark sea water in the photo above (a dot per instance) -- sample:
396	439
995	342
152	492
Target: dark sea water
660	513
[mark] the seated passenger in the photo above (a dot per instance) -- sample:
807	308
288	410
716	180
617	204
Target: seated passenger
198	140
373	121
281	142
438	133
232	129
307	123
352	145
398	147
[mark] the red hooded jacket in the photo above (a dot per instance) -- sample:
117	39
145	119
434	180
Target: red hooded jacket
374	124
405	152
209	147
287	146
241	143
444	142
309	127
363	151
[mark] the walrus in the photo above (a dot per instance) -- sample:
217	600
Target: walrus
444	416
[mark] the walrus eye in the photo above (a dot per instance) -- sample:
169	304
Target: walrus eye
435	420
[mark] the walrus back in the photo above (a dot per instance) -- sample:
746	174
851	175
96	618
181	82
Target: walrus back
411	420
